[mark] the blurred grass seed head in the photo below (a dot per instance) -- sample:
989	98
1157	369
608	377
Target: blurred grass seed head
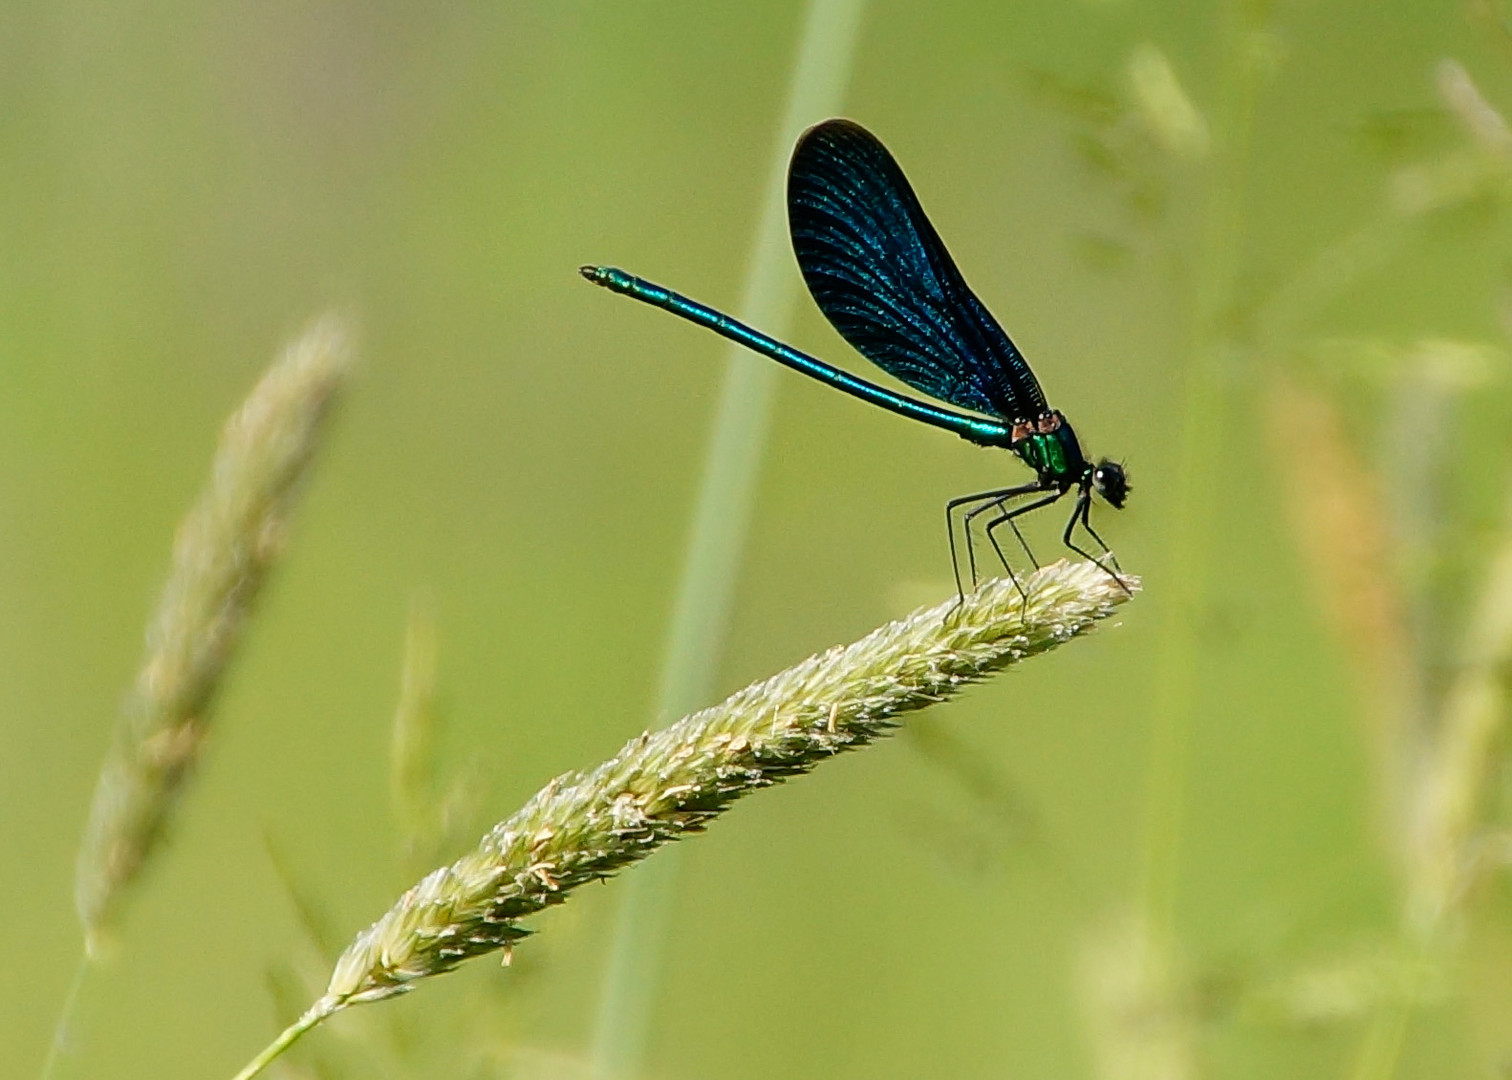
222	555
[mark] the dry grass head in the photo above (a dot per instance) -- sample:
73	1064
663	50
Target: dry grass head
661	786
222	555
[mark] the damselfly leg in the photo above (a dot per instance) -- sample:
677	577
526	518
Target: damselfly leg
1080	512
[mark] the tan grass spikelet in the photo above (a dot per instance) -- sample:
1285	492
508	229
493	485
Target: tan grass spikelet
221	557
661	786
1340	524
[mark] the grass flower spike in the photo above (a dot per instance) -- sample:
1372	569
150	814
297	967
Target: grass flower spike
221	557
585	826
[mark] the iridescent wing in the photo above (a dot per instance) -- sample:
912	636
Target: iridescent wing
879	272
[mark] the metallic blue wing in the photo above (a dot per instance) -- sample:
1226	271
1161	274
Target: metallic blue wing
879	272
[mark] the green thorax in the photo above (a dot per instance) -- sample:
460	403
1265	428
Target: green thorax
1049	447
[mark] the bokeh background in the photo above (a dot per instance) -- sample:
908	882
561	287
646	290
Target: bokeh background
1258	251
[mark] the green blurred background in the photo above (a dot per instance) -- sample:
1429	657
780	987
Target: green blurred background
185	185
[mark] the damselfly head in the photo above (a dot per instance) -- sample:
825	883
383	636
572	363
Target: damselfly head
1111	482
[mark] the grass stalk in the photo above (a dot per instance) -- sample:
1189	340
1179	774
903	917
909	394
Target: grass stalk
1446	813
701	614
1138	1004
419	809
1443	813
587	826
287	1038
60	1036
1213	287
1450	753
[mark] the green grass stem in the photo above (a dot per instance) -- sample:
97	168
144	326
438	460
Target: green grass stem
65	1016
1203	419
702	613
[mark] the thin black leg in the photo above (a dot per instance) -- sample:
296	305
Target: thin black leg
1079	513
1007	518
1087	524
990	497
1013	524
971	515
